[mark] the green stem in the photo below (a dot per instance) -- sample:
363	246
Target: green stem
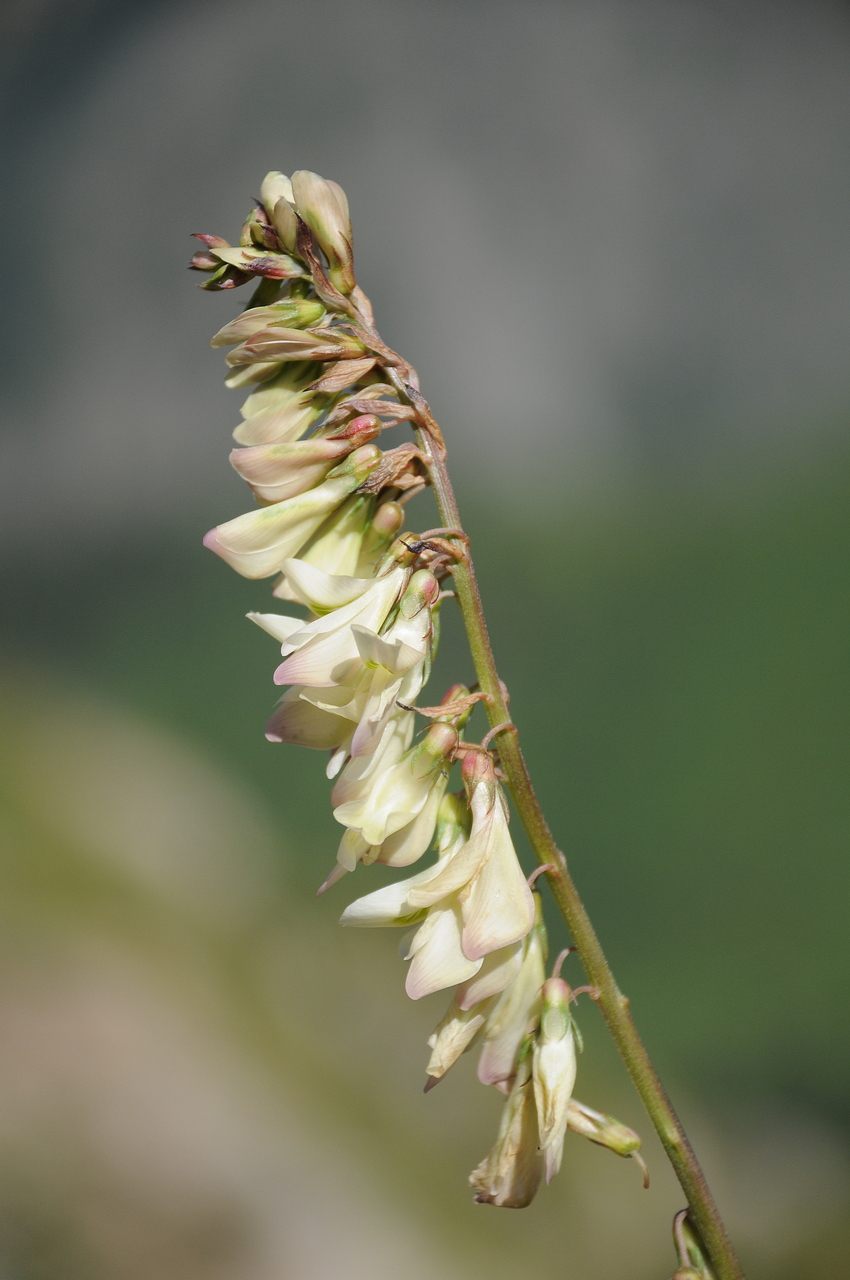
702	1209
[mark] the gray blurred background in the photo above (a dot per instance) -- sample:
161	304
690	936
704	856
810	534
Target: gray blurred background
614	238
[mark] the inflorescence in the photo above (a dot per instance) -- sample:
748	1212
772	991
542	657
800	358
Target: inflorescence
328	528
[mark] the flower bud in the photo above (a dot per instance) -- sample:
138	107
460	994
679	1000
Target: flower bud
422	592
277	342
324	207
693	1264
297	313
453	822
554	1068
455	1035
279	471
604	1130
261	262
275	186
285	224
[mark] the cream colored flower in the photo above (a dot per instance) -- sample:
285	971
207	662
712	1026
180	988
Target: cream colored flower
554	1069
324	652
276	472
284	408
257	543
516	1010
510	1174
495	902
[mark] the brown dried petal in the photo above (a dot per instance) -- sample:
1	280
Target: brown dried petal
344	374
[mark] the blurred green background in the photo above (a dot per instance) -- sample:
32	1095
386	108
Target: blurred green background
647	395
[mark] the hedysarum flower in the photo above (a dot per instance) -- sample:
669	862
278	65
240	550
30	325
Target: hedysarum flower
510	1174
515	1012
554	1068
602	1129
283	408
257	543
325	652
495	901
276	472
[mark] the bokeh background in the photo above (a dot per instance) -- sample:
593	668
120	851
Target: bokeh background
615	240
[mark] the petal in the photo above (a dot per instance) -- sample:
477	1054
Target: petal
459	869
320	590
498	908
303	725
277	624
438	962
387	906
408	845
456	1033
498	970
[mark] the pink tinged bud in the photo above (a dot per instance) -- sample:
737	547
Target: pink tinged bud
324	207
261	262
203	261
345	373
363	428
510	1175
279	471
212	242
278	342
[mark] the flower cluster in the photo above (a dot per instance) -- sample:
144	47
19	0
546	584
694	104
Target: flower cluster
330	508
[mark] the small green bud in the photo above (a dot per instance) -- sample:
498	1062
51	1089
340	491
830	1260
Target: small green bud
603	1129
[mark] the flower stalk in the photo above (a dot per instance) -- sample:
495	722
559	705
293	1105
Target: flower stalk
332	509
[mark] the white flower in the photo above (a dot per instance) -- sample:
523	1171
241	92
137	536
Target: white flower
256	544
324	652
396	795
510	1174
515	1012
283	408
496	904
554	1068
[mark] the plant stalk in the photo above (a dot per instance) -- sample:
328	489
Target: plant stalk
702	1210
